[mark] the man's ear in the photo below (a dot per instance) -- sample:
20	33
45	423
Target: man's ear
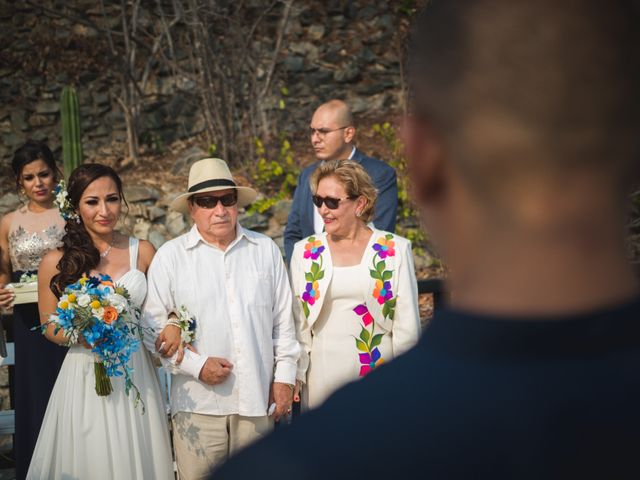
425	152
349	134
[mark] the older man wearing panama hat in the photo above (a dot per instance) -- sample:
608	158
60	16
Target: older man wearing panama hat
237	375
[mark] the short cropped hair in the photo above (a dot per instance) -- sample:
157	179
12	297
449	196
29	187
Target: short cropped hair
520	85
355	180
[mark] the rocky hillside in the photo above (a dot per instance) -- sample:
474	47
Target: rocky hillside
347	49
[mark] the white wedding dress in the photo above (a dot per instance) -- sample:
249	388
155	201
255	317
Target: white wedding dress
85	436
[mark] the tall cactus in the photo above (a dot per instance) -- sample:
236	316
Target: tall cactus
71	141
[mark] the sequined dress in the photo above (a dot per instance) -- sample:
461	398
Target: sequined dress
38	361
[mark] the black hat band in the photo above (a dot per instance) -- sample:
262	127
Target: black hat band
220	182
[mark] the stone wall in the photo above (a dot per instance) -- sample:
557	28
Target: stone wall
339	48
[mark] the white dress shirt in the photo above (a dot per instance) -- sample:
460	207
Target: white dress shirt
318	224
241	300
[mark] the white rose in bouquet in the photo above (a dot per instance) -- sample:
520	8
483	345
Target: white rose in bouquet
118	302
84	300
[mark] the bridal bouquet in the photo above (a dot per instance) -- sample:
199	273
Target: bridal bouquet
102	313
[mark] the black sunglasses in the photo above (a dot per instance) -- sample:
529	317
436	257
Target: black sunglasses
228	200
330	202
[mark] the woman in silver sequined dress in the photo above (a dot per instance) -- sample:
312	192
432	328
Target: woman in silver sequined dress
26	235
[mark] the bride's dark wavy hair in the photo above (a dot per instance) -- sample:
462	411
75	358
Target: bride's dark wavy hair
79	254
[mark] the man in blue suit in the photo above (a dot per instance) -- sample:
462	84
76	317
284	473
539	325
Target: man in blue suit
332	135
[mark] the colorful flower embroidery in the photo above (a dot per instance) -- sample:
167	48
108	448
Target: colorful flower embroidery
382	292
312	250
367	342
311	293
384	247
370	361
363	311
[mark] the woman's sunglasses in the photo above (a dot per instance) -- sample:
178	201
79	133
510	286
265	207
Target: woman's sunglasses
330	202
228	200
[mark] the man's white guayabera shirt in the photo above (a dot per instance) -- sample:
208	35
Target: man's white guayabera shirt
241	300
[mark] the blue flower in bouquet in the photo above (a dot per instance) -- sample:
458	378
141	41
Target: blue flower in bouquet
65	318
92	334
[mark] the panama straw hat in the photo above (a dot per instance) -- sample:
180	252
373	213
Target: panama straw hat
210	175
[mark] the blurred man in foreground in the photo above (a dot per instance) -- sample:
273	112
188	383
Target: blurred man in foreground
523	145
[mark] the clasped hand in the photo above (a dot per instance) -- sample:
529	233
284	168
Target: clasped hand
282	395
6	296
214	371
170	341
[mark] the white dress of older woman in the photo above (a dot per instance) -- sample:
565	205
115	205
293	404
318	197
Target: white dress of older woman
344	327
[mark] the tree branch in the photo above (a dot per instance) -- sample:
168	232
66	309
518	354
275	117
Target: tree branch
276	51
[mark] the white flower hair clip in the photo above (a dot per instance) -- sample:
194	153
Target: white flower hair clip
61	200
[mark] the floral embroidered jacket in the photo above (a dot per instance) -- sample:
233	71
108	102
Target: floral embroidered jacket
390	293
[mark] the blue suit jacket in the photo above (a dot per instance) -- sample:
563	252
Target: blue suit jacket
300	221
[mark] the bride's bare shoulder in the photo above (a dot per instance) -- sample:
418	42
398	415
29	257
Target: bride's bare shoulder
147	251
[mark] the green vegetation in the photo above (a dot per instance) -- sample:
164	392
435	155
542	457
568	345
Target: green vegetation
71	138
276	178
408	7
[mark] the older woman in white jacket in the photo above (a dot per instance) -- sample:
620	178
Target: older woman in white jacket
356	292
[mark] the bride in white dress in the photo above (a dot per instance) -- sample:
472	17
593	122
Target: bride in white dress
83	435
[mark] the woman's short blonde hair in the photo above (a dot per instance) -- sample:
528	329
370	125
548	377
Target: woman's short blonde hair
355	180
